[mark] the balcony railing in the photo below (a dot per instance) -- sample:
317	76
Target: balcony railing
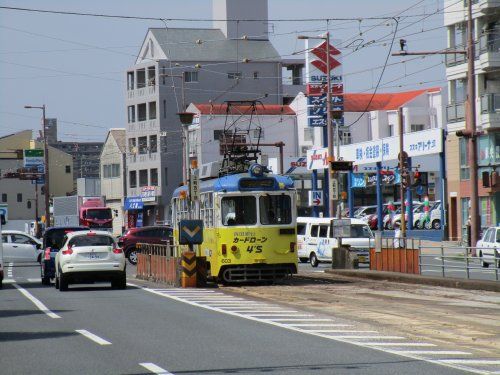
455	112
489	42
490	103
455	58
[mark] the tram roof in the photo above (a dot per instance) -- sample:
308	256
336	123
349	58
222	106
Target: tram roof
232	183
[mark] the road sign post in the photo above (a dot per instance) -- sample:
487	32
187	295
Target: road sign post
316	198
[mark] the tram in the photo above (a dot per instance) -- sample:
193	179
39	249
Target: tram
249	225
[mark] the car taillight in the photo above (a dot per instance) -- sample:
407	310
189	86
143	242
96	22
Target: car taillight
117	250
292	247
69	251
91	234
46	255
224	249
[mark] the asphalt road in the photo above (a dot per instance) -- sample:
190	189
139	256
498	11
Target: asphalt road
93	329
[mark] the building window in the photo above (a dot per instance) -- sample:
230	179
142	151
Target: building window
143	145
345	138
130	80
190	77
391	130
163	75
111	170
234	75
68	168
4	197
132	176
151	74
258	133
141	112
417	127
115	170
152	110
218	135
143	177
132	145
105	171
464	160
153	143
309	135
131	113
19	197
28	204
255	75
164	108
154	177
141	78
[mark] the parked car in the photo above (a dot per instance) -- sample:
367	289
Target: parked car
315	241
52	243
151	235
396	220
19	246
372	220
88	256
435	217
488	247
364	211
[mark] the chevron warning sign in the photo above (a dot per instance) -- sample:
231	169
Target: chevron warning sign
191	232
188	269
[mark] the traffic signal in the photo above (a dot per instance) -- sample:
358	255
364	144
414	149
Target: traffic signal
486	179
405	179
464	133
341	165
417	178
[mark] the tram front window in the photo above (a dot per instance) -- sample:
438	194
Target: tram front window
275	209
239	211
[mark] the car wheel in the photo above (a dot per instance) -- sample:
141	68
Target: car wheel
436	224
313	259
132	256
119	282
45	280
303	260
56	282
63	283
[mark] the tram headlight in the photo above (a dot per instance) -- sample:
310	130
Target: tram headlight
256	170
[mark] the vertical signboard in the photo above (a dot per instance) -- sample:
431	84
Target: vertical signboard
316	83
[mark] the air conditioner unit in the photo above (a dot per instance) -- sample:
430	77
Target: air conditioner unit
210	170
303	150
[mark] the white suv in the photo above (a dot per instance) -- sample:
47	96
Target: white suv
89	256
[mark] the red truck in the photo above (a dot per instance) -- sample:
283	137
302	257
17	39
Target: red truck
82	211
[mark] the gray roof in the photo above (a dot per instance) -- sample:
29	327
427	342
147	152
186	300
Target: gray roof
119	136
179	44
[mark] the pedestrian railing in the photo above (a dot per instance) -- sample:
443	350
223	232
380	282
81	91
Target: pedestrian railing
455	258
395	255
158	263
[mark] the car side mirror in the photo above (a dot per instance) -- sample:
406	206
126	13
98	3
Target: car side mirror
38	246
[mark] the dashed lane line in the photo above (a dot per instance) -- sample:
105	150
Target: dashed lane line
37	302
353	338
91	336
399	344
155	369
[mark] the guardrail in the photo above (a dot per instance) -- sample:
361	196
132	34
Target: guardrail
159	263
453	258
396	255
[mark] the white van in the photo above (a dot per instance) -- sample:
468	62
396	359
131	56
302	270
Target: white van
315	240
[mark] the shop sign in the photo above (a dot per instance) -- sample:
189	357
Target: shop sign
133	203
148	193
317	158
415	144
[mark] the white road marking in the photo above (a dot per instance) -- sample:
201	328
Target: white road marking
37	302
346	338
34	280
155	369
321	325
9	281
93	337
300	320
398	344
336	331
239	305
264	311
433	352
478	362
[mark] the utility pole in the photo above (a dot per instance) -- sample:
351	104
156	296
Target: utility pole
46	157
402	170
470	123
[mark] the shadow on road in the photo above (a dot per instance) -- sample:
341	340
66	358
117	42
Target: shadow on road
21	336
17	313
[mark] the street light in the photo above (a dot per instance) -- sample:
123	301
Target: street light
329	140
46	162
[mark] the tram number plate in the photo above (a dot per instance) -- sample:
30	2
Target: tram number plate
254	248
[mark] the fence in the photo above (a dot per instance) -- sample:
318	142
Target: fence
395	256
451	261
158	263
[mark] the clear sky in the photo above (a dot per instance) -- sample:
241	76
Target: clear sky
76	65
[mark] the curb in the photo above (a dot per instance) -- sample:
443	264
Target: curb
491	286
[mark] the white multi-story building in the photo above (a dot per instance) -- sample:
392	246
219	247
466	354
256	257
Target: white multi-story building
268	124
486	31
234	60
114	176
